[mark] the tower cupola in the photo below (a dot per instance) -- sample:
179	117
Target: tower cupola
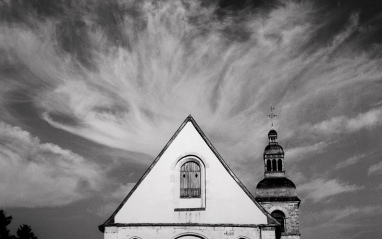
272	135
273	157
276	193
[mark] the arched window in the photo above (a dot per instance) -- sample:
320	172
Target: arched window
274	166
190	180
279	216
269	165
280	165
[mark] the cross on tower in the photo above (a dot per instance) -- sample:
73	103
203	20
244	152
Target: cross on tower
272	115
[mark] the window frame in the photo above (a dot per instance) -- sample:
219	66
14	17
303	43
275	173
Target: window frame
189	203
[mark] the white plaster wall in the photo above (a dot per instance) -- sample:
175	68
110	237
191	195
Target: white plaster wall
154	200
175	232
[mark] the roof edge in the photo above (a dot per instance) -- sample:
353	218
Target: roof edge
189	118
110	220
220	158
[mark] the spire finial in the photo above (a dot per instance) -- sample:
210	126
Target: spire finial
272	115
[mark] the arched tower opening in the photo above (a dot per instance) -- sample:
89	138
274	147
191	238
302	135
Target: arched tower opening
279	165
280	217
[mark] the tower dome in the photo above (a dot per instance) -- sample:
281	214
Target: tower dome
273	147
276	189
272	132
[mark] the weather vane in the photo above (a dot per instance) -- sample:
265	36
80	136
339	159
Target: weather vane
272	115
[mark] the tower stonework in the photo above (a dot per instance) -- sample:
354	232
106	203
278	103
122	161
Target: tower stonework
276	193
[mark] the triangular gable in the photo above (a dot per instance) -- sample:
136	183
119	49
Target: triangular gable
190	119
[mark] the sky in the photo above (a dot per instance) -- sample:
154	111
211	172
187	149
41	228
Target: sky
91	91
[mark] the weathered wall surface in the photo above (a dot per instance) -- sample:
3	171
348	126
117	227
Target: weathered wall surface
177	232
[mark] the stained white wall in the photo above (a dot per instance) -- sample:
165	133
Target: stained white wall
181	232
155	199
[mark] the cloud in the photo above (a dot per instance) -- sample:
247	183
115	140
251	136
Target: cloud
35	174
321	189
350	161
345	222
107	209
114	199
326	130
298	153
127	78
338	214
343	124
121	192
376	168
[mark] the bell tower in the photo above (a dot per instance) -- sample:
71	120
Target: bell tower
276	193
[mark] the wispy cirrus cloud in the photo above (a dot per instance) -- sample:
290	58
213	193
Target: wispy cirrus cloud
334	215
350	161
375	168
298	153
35	174
344	124
342	222
324	131
322	189
169	59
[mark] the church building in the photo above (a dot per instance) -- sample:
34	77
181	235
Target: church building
189	192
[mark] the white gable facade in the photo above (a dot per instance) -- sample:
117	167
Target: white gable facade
189	192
